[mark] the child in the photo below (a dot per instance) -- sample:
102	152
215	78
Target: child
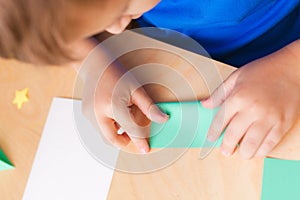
262	99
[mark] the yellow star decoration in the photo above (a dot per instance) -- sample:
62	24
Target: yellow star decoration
21	96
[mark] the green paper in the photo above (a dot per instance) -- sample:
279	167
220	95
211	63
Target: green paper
187	126
4	162
281	179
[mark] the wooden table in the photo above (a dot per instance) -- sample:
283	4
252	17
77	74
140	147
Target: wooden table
216	177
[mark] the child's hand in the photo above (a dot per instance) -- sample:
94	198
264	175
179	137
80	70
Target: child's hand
259	103
110	104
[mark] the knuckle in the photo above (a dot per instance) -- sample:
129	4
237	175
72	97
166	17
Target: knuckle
104	102
237	101
277	136
151	107
218	122
276	117
229	138
265	113
251	143
131	130
257	109
214	131
239	97
269	145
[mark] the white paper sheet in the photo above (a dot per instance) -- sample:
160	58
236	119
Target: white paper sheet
63	169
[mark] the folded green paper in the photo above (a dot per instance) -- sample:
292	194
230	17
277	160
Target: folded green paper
4	162
187	126
281	179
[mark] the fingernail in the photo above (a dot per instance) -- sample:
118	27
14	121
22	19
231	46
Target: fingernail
143	151
165	116
159	117
225	152
204	100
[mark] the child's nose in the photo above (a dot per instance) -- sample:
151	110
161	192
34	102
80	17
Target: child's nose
136	16
119	25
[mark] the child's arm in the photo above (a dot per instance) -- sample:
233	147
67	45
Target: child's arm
107	102
259	103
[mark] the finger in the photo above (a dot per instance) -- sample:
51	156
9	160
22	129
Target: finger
272	139
146	105
253	139
141	144
109	131
222	92
138	134
234	133
221	120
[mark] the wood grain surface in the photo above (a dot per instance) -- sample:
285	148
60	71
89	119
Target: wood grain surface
215	177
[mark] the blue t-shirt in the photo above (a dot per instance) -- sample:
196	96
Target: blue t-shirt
231	31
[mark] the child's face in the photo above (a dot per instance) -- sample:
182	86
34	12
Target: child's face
111	15
134	10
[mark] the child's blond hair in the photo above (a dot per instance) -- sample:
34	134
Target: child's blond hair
30	31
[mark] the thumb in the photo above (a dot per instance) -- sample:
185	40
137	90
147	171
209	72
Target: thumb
221	93
146	105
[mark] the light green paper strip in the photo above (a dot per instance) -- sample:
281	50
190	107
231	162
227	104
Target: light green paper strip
281	179
186	128
4	162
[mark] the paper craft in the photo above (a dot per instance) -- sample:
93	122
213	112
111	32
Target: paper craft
187	126
281	179
21	97
62	168
4	162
